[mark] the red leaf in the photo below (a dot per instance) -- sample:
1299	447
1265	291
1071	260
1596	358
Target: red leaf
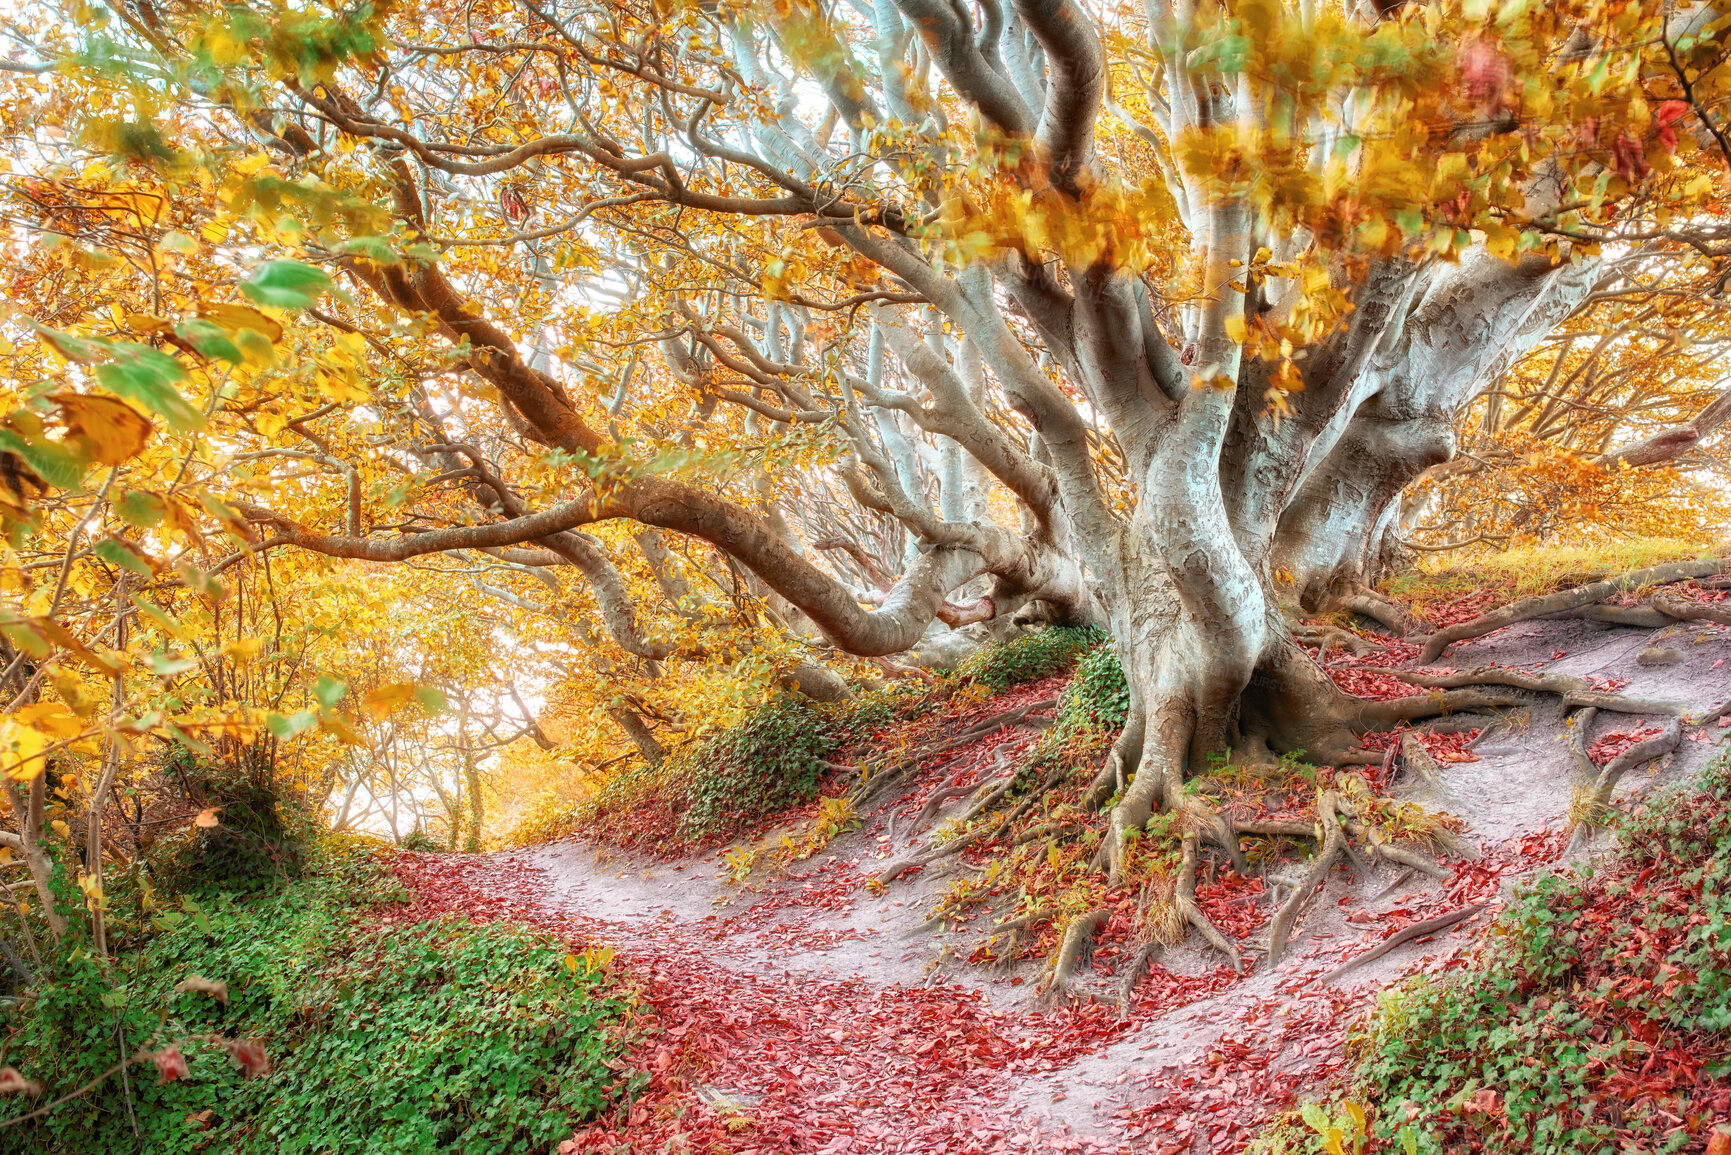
170	1064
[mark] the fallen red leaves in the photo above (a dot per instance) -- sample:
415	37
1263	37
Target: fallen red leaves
1608	746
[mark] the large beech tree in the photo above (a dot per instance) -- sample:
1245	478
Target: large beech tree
881	313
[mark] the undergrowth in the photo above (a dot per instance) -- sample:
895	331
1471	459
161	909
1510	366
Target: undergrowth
1595	1018
732	782
329	1033
1029	657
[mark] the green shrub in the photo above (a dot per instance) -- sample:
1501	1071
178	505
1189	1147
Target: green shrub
1098	697
420	1037
768	762
260	839
1028	658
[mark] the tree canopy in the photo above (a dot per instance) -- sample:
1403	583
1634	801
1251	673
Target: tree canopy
660	354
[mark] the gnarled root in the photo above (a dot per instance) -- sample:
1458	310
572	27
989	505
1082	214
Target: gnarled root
1121	762
1418	762
898	867
1373	605
1416	930
1326	638
1674	605
1073	951
1578	693
1133	972
1621	705
1597	800
1333	839
1385	714
878	782
1184	894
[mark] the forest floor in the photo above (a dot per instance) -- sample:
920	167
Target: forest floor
809	1010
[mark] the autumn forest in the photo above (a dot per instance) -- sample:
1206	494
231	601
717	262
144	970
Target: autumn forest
968	576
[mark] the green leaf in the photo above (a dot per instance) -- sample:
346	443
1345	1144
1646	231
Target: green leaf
165	665
329	691
54	462
118	553
286	284
141	508
147	376
375	249
81	349
431	699
288	725
210	339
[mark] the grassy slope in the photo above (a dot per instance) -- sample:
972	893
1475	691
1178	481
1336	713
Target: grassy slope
405	1037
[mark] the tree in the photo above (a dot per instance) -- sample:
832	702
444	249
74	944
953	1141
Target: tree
1145	318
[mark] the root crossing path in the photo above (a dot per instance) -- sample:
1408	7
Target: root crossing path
810	1012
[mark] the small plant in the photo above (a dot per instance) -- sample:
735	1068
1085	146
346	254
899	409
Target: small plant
741	861
1541	1044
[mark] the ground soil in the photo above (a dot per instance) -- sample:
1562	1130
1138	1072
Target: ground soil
806	1011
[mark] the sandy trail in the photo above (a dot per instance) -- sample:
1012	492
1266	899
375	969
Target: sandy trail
807	1012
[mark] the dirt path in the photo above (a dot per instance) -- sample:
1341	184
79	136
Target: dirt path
809	1013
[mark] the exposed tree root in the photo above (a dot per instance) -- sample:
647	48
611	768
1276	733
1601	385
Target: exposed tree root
1376	607
898	867
879	781
1620	705
1184	894
1073	950
1113	773
1416	930
1333	838
1401	856
1276	828
1675	605
948	791
1564	601
1133	972
1385	714
1400	880
1716	713
1418	762
1328	638
1637	617
1597	800
1487	676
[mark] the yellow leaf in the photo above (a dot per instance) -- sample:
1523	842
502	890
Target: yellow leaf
237	318
105	429
21	747
388	699
242	650
53	717
1237	330
338	727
